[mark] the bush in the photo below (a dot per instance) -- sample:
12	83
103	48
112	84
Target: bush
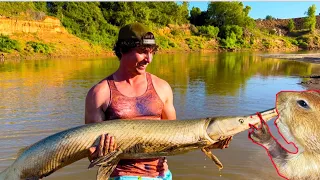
38	47
209	31
165	43
194	30
7	44
230	42
303	45
273	31
294	42
231	36
172	44
303	42
291	25
194	43
267	44
177	32
226	31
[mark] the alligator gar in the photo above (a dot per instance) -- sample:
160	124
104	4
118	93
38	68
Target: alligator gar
136	139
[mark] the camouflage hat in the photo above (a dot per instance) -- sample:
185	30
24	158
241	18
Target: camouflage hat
135	34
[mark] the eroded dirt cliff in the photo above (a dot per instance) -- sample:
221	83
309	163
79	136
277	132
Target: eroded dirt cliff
49	31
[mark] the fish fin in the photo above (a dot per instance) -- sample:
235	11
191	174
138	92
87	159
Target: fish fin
114	154
208	153
105	159
104	172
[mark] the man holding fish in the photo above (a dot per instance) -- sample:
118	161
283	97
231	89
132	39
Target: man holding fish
132	93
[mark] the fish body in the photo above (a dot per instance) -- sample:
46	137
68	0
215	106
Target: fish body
136	139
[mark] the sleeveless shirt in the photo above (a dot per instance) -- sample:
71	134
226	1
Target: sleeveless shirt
147	106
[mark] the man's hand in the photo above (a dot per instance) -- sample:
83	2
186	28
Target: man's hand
106	145
222	144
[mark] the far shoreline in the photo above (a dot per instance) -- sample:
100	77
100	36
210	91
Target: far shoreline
110	53
310	58
311	82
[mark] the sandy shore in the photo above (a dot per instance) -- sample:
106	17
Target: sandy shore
311	82
312	58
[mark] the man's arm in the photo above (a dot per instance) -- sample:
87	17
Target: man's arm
164	91
98	97
168	111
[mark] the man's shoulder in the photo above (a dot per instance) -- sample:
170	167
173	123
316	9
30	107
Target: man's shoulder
161	85
159	82
101	88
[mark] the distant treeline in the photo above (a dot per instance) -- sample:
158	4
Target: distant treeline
99	22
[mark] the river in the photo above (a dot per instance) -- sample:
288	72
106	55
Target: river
41	97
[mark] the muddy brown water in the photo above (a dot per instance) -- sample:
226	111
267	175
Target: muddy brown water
41	97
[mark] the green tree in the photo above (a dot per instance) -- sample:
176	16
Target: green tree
310	21
201	20
209	31
247	10
16	9
85	20
41	6
160	13
228	13
98	22
194	14
269	17
183	13
291	25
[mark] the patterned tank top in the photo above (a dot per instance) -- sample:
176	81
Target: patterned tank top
147	106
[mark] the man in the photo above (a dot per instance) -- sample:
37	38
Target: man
132	93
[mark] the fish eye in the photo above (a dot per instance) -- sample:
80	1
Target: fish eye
303	104
241	121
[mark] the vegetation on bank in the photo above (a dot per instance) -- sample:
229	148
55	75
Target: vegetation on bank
8	45
225	25
38	47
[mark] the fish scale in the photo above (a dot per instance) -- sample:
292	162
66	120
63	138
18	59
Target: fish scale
138	138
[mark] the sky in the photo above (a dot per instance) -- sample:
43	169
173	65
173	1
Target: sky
280	10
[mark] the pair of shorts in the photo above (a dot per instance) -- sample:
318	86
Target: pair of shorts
167	176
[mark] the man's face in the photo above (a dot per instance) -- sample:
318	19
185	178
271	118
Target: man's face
138	59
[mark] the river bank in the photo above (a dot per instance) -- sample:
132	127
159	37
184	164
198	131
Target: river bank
80	53
312	58
311	82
